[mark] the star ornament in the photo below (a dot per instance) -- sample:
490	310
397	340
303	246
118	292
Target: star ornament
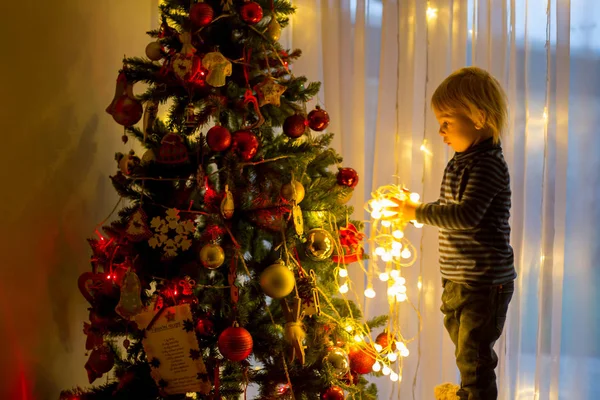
269	92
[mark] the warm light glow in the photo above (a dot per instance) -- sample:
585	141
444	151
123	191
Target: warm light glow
419	284
394	377
191	395
401	280
402	289
424	148
369	292
545	115
406	253
417	224
396	245
376	367
396	253
344	288
378	348
401	297
343	272
387	257
358	338
392	291
404	352
386	223
349	328
392	357
386	370
395	274
398	234
384	277
376	214
380	251
470	31
415	197
431	13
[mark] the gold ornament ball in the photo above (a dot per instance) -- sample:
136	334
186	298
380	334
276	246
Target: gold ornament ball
154	51
339	361
287	191
277	281
319	244
212	256
274	30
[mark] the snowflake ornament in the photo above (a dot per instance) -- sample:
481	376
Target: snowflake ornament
171	224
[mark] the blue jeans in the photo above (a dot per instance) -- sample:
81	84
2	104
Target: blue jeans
474	316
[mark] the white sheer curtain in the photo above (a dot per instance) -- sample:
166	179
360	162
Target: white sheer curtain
380	60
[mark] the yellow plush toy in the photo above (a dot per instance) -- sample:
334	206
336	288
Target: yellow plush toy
446	391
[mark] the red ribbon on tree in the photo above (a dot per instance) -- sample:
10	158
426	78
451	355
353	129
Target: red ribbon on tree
350	239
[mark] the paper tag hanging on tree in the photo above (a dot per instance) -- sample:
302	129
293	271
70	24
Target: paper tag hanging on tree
269	92
183	62
174	354
137	226
298	220
218	68
307	289
130	303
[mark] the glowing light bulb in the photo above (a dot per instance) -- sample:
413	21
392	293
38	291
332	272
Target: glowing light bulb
358	338
431	13
417	225
349	328
376	214
378	348
392	357
401	297
400	280
395	274
380	251
386	223
387	257
376	367
470	31
344	288
386	370
369	292
396	253
396	245
545	115
419	285
343	272
384	276
406	253
402	289
404	352
392	291
398	234
414	197
394	377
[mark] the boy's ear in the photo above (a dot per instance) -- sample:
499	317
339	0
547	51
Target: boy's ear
480	119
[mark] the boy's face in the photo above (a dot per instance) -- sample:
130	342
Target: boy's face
458	131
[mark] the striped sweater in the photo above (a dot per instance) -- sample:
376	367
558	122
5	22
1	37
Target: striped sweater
472	214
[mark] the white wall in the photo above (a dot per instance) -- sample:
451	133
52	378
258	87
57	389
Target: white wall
58	67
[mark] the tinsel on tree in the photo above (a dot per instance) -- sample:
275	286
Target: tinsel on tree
220	270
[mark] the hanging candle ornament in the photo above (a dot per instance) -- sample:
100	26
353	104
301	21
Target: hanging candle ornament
125	109
130	303
347	177
294	126
319	244
201	14
251	12
218	68
245	144
235	343
273	30
150	114
318	119
293	192
333	393
338	360
218	138
172	150
185	64
190	116
227	204
212	256
277	280
154	51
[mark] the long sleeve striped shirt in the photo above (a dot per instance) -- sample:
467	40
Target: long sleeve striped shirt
472	216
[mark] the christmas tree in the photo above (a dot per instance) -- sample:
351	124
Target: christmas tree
222	269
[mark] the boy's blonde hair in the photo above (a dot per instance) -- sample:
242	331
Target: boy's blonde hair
470	91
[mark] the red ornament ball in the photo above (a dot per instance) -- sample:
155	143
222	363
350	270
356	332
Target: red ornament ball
201	14
318	119
361	359
333	393
235	343
251	12
384	339
127	111
101	360
294	126
218	138
347	177
204	327
245	144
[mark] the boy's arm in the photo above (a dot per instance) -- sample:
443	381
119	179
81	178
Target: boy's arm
486	179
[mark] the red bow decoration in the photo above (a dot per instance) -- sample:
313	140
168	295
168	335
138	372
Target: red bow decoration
350	239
